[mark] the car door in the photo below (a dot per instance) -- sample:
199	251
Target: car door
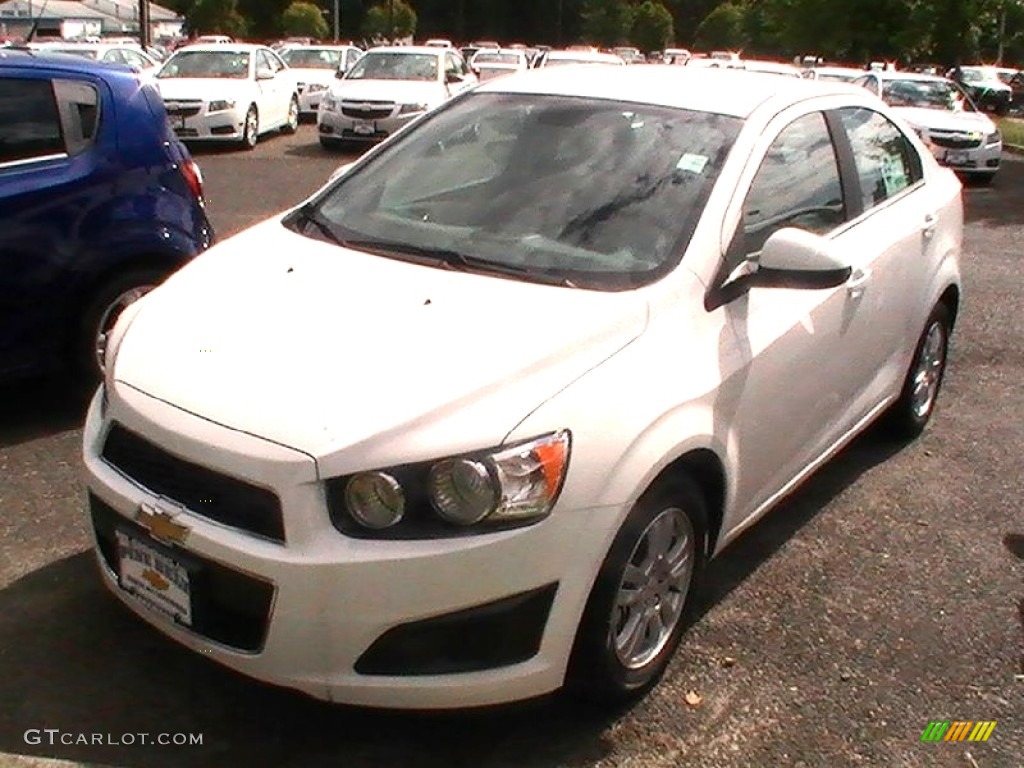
270	99
799	354
48	186
888	244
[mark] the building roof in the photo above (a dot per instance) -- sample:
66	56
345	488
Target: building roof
49	10
27	10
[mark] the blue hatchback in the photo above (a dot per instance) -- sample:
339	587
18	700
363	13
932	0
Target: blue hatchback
99	202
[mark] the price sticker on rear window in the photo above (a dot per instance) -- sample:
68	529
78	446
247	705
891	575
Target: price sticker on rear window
692	163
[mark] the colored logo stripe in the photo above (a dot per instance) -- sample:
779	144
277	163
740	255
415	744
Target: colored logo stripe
982	731
958	730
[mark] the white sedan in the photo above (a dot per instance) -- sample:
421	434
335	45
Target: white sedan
231	92
387	88
488	64
958	134
315	68
468	424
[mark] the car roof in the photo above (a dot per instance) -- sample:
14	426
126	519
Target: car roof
900	75
432	50
582	55
224	47
723	91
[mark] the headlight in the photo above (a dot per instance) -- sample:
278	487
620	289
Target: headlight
412	109
329	103
315	87
453	496
993	138
220	105
375	499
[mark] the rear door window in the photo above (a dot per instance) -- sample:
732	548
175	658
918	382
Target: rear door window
30	125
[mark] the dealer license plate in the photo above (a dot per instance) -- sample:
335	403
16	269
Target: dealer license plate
363	127
956	158
158	581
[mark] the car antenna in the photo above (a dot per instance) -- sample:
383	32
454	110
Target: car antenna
35	23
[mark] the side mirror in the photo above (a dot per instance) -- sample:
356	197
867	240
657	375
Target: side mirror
264	74
340	73
795	258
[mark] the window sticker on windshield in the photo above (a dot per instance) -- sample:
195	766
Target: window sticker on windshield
692	163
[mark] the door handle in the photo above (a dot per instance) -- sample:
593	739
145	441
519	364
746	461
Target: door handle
928	227
858	282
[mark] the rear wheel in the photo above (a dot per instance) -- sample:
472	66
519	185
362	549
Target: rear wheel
910	414
635	615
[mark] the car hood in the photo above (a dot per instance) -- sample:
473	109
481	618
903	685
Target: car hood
945	120
322	76
205	88
399	91
360	360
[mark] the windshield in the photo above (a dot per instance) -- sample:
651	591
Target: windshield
929	94
88	53
496	58
394	66
318	58
233	64
579	192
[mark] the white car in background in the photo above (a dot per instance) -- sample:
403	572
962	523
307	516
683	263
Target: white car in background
228	92
315	68
488	64
468	424
577	56
959	135
385	89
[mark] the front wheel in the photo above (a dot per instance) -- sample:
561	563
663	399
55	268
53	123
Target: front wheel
251	128
634	618
292	123
910	414
104	309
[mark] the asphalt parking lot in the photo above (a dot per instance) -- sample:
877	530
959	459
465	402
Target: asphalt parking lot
887	593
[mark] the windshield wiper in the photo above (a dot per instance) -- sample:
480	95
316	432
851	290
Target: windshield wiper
435	256
309	213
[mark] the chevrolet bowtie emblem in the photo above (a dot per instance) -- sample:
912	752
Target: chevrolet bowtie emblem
161	525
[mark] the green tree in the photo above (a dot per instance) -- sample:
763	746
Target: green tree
607	22
723	28
652	26
391	19
219	17
302	19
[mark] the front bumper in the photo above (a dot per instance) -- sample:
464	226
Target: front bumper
309	100
354	621
982	159
332	124
226	125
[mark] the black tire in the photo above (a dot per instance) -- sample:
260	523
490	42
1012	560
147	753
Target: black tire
598	671
912	411
292	124
102	311
251	128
